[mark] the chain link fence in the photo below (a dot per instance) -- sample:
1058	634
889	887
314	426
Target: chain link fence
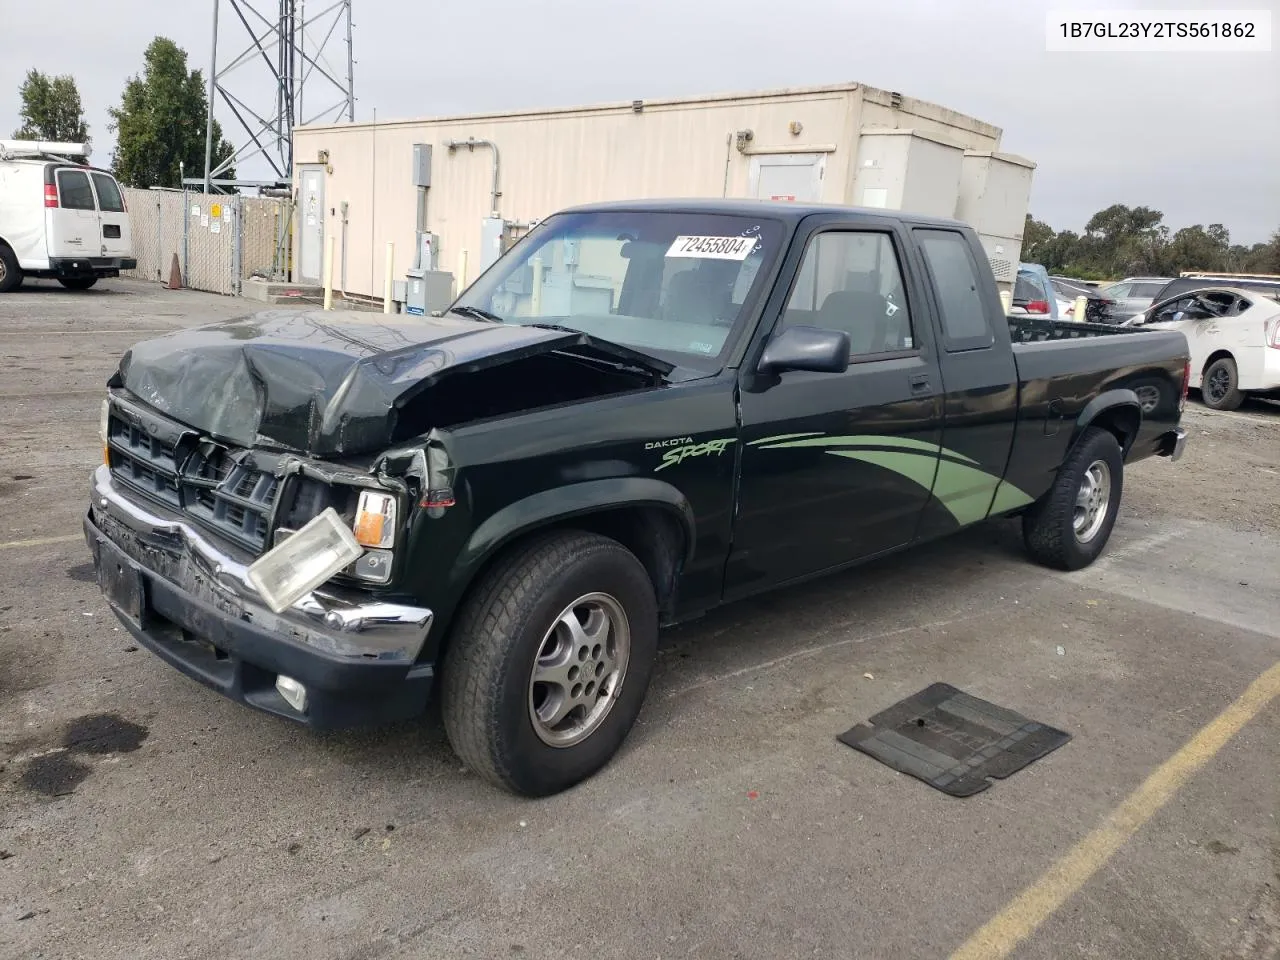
220	240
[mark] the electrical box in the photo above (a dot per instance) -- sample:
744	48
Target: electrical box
427	291
995	189
907	170
492	233
428	251
422	164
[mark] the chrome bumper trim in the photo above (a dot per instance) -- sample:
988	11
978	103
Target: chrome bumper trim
322	618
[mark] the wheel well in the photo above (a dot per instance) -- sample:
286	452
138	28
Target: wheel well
654	535
1122	422
1214	358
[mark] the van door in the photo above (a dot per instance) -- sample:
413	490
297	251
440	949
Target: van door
72	226
113	217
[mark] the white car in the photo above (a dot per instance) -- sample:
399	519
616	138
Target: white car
59	218
1234	335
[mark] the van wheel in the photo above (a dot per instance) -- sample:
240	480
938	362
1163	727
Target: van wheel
77	283
1069	526
1220	386
549	662
10	272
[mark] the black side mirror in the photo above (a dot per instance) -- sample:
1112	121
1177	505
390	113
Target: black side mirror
806	348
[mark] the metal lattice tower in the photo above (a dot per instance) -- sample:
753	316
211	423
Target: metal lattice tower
283	78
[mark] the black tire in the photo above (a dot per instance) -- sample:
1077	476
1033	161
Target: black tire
1049	525
1220	385
488	696
77	283
10	272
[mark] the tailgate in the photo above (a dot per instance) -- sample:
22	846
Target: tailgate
113	218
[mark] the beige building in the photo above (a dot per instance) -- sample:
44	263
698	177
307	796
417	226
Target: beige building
850	144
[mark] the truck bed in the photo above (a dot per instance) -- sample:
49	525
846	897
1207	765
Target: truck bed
1029	329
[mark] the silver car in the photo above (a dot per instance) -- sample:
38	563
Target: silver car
1132	295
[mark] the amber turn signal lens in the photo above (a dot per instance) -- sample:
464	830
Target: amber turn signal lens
375	524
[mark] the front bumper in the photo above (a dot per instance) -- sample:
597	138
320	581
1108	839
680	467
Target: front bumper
189	601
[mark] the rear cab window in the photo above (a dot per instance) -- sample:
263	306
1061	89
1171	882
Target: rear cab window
109	198
74	192
956	280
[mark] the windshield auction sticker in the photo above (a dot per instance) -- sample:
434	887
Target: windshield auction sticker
712	248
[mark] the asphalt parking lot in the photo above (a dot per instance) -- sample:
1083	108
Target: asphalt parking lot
733	824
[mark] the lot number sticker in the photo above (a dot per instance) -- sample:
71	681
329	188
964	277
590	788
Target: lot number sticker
712	248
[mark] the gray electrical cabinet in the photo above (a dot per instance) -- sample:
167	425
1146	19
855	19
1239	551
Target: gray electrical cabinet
427	291
492	232
422	164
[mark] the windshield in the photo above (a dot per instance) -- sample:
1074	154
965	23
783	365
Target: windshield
677	286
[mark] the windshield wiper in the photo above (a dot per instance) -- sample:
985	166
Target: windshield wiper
477	313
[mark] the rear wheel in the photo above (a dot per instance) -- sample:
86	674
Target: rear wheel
10	272
550	661
77	283
1220	386
1070	525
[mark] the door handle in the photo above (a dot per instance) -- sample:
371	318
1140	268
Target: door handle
919	382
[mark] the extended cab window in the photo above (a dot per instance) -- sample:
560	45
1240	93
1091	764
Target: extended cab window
74	192
109	199
851	280
955	283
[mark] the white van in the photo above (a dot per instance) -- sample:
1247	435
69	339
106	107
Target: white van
59	218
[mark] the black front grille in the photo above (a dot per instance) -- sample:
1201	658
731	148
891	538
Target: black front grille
220	487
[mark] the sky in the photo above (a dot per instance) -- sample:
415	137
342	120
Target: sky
1194	135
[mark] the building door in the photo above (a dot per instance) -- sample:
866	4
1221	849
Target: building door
311	224
788	176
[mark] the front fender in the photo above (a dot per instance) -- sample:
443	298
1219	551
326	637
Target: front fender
548	506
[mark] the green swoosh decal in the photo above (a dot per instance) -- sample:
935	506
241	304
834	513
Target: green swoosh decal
868	440
782	436
967	492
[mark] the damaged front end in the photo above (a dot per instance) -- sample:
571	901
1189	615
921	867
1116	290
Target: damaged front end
182	526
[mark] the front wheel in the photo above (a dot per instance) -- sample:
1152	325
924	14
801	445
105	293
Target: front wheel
77	283
1069	526
550	662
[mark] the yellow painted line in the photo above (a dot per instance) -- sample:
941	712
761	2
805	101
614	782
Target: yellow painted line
39	541
1024	915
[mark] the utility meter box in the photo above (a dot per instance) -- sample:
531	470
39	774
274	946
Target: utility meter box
427	291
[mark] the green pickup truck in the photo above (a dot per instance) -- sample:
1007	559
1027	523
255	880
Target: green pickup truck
640	412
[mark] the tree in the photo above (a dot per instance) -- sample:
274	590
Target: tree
51	109
1195	248
161	122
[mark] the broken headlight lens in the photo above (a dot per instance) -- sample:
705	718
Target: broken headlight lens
288	572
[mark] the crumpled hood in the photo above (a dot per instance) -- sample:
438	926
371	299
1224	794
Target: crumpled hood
320	385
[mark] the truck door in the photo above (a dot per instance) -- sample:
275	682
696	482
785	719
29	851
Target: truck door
113	218
72	226
838	467
980	380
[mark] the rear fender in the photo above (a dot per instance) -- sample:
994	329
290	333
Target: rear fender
1118	411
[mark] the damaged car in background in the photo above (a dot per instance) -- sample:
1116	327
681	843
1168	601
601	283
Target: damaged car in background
640	412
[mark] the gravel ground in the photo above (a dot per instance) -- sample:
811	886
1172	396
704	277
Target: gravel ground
142	816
